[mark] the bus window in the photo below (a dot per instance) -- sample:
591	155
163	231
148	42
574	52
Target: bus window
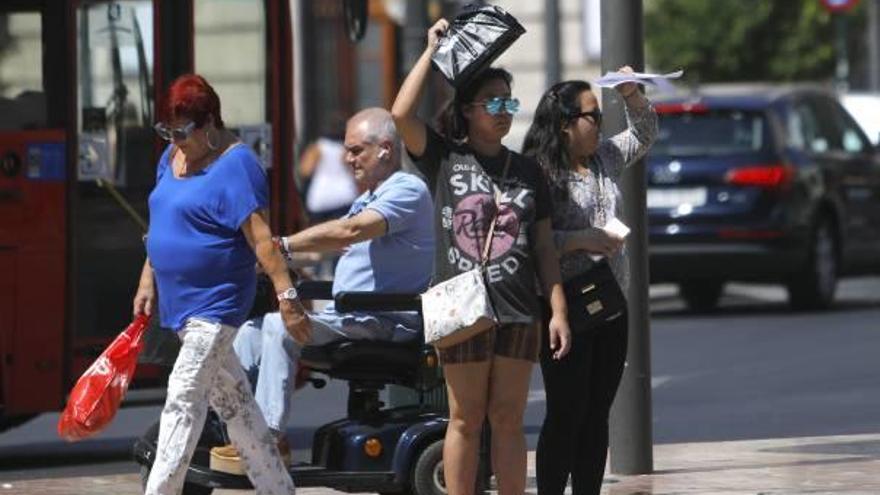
230	52
115	98
22	100
116	162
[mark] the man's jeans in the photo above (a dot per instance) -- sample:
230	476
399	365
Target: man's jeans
269	355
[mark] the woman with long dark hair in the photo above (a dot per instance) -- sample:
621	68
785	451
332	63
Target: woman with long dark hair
465	165
584	174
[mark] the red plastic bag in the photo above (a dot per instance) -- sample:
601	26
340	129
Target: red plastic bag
95	398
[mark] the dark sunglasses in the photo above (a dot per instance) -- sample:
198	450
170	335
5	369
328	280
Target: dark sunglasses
595	114
174	133
496	105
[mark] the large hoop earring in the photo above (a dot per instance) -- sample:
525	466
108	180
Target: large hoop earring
211	146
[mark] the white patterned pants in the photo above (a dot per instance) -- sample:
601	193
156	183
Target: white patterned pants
208	370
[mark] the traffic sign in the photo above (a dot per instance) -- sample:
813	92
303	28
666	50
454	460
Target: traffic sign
839	6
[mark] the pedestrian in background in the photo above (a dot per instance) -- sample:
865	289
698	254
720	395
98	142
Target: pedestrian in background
465	165
327	182
208	229
328	186
584	173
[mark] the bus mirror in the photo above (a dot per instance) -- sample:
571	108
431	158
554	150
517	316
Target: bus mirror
355	19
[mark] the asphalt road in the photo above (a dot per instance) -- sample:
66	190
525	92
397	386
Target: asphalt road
751	370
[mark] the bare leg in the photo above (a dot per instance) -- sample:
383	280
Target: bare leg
508	393
466	386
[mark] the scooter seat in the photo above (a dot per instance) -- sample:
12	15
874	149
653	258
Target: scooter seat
389	362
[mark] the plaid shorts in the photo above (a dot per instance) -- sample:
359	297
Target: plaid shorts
511	340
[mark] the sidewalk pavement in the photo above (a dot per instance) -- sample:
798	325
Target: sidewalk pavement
848	464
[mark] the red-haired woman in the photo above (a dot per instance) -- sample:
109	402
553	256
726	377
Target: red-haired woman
208	228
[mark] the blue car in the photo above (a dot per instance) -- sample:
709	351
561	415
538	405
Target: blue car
761	184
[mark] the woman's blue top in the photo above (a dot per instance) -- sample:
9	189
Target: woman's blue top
202	263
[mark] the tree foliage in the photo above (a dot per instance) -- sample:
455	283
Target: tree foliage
748	40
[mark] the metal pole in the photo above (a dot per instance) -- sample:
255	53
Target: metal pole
841	72
553	67
873	42
631	442
414	39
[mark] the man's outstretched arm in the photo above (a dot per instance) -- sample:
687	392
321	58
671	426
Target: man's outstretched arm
339	234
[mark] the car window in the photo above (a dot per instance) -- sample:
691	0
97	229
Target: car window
852	138
830	122
711	132
804	130
865	110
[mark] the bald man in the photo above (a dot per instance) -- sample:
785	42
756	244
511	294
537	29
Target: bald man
388	241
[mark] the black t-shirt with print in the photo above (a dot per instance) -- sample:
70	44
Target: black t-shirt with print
463	184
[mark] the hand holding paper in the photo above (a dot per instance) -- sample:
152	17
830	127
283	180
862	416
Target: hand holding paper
616	229
612	79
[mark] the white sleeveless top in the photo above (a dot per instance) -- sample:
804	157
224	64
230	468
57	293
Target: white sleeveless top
332	184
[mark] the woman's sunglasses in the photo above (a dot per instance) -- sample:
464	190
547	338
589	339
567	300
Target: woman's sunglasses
495	106
595	114
174	133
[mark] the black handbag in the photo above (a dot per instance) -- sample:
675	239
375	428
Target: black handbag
475	38
594	298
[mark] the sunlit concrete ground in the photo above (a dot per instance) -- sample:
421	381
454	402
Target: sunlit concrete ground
847	464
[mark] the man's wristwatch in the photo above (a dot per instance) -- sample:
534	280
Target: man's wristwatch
288	295
283	245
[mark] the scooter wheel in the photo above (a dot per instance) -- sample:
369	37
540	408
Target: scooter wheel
427	478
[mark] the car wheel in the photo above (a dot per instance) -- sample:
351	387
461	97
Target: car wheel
815	285
701	295
188	488
427	477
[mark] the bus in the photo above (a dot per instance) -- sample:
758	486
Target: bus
80	81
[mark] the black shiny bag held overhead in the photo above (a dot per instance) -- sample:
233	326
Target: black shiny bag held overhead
594	298
475	38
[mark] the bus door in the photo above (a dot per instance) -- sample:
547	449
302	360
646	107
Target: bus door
114	167
33	226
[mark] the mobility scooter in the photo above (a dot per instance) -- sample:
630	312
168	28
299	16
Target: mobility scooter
373	449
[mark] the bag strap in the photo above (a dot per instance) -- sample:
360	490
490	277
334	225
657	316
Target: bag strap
601	200
485	258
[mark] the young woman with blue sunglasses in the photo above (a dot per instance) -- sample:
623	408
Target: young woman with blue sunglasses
466	165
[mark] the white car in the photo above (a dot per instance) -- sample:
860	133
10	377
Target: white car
865	108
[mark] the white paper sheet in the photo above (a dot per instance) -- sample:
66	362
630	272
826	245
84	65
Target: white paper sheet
612	79
616	227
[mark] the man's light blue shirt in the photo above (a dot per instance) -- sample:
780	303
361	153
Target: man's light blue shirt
402	259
